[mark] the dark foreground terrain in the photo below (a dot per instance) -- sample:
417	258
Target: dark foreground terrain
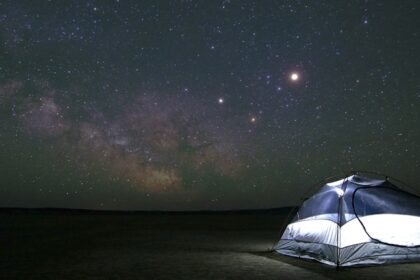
89	245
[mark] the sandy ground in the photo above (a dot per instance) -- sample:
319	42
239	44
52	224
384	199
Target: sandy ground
159	246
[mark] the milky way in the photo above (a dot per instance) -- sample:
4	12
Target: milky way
202	104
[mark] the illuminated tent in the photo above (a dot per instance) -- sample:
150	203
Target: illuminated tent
355	221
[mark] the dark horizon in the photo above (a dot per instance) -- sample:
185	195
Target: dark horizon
48	210
189	105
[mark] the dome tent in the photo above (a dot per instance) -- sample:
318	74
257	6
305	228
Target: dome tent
355	221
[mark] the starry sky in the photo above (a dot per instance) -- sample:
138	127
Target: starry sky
186	105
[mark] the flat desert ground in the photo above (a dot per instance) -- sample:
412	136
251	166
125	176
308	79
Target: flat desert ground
56	245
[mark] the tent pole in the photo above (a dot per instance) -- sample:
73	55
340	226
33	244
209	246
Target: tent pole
339	212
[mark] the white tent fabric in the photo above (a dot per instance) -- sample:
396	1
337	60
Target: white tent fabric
355	221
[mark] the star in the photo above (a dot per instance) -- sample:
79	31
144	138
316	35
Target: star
294	76
221	100
253	119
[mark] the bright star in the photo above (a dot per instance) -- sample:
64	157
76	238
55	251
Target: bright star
221	100
294	77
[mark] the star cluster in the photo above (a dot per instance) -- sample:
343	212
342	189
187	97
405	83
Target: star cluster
202	104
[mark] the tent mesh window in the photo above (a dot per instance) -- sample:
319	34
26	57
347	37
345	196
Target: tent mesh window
388	215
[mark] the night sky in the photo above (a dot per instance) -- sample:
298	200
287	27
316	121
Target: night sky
183	105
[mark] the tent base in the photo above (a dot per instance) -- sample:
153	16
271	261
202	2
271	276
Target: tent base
365	254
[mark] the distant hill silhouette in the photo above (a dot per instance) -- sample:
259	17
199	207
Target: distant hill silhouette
11	210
